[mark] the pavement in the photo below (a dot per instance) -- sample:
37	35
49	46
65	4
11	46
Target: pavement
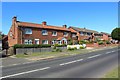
93	65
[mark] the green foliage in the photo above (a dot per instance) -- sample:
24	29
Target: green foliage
116	34
57	45
83	42
100	42
58	50
71	49
70	42
107	42
81	47
31	46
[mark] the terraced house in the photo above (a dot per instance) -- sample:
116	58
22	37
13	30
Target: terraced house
32	33
87	34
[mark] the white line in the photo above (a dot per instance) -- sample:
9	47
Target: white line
107	52
25	72
112	51
71	62
94	56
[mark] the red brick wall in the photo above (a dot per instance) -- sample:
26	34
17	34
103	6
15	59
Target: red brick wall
105	37
37	34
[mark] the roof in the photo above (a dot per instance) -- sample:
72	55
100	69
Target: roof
35	25
105	33
73	31
85	30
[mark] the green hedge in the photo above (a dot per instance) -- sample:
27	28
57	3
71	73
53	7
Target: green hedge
31	46
100	42
57	45
107	42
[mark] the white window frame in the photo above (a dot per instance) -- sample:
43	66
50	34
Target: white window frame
73	35
81	33
66	34
46	41
54	34
10	34
26	31
45	33
37	40
28	41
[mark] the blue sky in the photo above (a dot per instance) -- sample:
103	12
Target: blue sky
99	16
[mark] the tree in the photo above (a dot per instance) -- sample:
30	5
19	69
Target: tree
116	34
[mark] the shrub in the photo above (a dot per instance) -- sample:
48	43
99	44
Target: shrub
57	45
100	42
69	48
81	47
58	50
107	42
83	42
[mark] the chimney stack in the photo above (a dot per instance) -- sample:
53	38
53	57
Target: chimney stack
14	19
44	23
64	26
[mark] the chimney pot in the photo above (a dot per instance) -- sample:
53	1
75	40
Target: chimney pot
44	23
64	26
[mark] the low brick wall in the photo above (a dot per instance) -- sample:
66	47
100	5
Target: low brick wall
62	48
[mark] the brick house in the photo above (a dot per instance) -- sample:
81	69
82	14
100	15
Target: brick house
32	33
86	34
106	36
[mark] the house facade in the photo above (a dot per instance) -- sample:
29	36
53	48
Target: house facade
32	33
87	34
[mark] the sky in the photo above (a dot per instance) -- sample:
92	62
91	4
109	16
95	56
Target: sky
99	16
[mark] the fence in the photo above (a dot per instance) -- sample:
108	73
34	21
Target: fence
35	50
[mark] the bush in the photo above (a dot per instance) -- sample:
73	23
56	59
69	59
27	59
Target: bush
116	34
57	45
31	46
83	42
107	42
82	47
58	50
100	42
69	48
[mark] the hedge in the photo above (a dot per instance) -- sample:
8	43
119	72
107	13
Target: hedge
57	45
31	46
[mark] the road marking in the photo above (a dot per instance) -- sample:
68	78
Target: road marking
107	52
94	56
25	72
71	62
112	51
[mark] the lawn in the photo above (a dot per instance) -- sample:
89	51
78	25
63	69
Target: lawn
114	73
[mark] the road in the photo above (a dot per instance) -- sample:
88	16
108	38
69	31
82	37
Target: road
91	65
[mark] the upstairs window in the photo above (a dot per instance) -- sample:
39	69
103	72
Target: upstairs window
65	34
54	33
81	33
44	32
73	35
28	31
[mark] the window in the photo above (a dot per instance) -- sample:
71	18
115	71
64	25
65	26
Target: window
10	34
36	41
54	33
65	34
28	41
28	31
44	32
73	35
81	33
53	42
44	41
